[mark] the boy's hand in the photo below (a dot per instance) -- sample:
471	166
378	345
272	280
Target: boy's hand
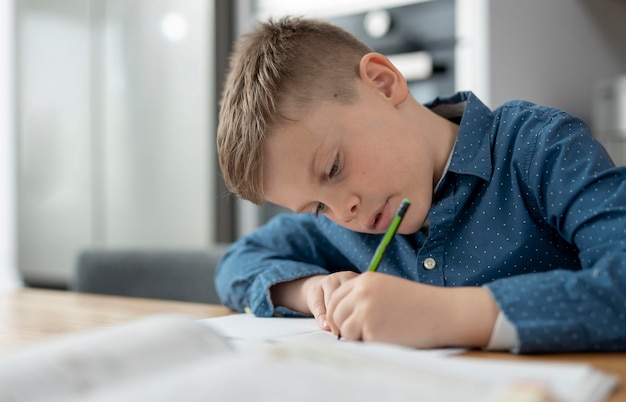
383	308
310	295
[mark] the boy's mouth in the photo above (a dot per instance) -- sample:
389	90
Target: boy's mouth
378	219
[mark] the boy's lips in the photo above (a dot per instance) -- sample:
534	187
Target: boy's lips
380	219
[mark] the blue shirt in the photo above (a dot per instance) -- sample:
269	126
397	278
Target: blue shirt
531	207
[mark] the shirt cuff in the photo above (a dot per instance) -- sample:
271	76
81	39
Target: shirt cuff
504	335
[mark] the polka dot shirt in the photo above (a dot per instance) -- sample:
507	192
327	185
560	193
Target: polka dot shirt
531	207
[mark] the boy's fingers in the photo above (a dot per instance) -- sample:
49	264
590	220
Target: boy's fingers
318	309
337	314
320	300
330	288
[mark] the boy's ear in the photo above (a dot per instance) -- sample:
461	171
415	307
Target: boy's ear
376	70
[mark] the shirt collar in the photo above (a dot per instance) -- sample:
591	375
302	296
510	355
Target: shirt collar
472	150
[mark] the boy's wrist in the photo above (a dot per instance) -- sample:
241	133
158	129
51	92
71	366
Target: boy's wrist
472	313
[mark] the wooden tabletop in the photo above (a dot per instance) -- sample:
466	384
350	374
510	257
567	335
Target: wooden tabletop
31	315
28	315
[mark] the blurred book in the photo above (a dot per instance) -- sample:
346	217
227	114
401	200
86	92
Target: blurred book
174	358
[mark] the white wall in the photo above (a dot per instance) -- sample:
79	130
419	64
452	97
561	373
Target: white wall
553	52
8	275
54	208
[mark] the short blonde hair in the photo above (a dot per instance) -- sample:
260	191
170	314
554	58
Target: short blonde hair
290	63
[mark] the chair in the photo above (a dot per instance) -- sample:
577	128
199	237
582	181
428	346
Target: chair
184	275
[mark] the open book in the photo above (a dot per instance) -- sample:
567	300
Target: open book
174	358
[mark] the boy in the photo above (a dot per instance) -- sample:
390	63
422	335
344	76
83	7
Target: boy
515	238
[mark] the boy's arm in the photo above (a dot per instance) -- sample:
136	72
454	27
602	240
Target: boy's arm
288	248
572	183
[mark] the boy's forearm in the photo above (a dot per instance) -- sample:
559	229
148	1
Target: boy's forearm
470	315
291	294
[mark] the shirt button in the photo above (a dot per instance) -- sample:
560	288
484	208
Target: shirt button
430	263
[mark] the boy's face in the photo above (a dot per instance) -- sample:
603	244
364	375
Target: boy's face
353	163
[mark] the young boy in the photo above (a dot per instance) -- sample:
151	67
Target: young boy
515	239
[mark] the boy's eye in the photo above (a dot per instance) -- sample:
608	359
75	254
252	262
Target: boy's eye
334	168
321	207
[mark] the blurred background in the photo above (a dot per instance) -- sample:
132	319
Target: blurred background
108	107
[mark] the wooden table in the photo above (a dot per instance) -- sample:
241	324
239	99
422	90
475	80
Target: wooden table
31	315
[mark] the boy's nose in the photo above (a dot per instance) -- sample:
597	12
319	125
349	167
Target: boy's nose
349	209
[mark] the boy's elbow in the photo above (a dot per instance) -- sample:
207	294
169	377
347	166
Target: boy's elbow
229	289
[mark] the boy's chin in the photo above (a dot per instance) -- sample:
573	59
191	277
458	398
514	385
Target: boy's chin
409	228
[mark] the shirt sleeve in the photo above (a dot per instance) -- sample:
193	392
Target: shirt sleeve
288	247
572	184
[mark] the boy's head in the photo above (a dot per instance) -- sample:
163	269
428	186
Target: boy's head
284	66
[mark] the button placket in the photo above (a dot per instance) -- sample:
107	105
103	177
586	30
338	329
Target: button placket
431	254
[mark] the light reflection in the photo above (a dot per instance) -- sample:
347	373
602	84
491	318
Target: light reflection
174	27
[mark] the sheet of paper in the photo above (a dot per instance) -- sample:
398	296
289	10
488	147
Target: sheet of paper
315	372
287	377
250	328
240	329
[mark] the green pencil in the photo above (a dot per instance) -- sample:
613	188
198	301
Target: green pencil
393	228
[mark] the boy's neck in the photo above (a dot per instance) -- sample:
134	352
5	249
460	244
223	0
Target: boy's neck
443	134
451	131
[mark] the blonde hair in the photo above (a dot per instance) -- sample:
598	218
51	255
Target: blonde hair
290	63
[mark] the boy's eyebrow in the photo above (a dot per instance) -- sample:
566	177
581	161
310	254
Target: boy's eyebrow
301	210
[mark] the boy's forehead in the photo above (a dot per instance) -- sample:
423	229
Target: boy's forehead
297	139
290	153
289	142
292	129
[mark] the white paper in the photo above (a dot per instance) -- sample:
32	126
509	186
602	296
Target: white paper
289	378
251	328
242	329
